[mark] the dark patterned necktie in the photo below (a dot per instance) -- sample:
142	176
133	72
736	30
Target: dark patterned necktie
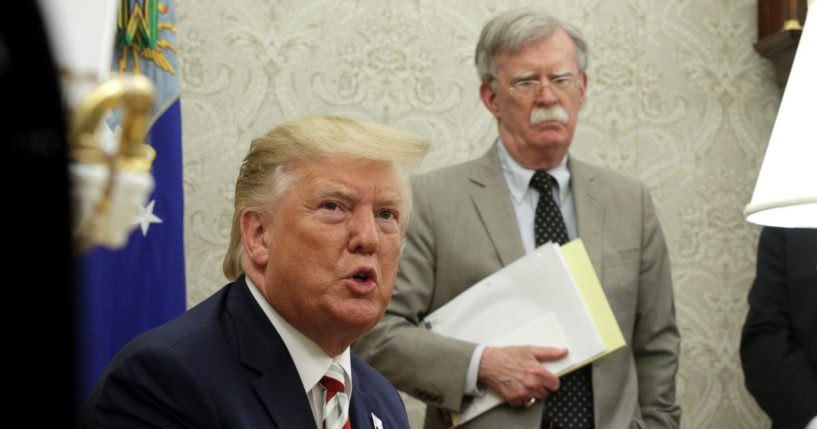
570	407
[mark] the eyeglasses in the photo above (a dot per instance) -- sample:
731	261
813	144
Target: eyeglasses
530	88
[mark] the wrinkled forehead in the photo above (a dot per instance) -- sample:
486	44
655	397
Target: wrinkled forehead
552	53
348	177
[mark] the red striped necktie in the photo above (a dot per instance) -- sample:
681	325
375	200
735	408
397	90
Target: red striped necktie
336	407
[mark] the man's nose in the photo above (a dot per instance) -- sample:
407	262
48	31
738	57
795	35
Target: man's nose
547	95
364	236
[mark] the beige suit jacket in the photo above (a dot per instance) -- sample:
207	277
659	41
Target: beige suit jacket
464	228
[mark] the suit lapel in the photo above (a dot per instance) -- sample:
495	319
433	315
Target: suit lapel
589	209
288	408
360	407
589	225
493	204
261	348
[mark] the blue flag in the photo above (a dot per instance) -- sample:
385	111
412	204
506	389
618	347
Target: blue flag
123	292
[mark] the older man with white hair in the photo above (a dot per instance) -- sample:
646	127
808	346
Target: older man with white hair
474	218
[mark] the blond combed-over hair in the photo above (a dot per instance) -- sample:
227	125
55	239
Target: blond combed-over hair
262	177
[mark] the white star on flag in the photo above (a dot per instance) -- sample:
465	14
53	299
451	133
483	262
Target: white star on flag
146	217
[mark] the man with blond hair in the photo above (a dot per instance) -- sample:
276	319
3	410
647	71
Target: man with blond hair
321	205
473	219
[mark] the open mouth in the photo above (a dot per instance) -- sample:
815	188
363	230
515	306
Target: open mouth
364	275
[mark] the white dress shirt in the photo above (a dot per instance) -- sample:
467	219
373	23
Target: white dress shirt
310	360
525	199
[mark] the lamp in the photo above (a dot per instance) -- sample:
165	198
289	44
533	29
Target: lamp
786	189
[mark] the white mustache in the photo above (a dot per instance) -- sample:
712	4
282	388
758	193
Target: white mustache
541	115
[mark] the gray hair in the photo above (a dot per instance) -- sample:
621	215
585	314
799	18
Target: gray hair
513	30
264	177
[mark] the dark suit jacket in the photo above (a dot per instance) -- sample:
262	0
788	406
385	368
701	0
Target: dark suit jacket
223	365
778	347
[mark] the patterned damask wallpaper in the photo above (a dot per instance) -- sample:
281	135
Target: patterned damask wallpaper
677	97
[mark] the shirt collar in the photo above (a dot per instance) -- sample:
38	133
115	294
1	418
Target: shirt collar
518	177
310	360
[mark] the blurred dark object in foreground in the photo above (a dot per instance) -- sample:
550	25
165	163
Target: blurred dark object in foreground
38	293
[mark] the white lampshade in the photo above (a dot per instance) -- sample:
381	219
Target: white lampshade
786	190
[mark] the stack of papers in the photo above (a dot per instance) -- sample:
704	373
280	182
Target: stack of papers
551	297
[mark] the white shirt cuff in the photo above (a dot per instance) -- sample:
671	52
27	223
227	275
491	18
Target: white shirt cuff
471	386
812	424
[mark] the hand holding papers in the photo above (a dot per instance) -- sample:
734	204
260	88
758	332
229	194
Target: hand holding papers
551	297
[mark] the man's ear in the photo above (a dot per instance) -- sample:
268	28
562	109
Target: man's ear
582	88
254	237
486	92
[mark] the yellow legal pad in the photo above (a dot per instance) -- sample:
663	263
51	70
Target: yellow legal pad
578	262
